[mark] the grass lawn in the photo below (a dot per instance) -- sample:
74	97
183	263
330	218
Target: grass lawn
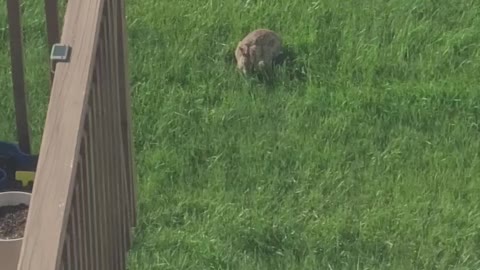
364	154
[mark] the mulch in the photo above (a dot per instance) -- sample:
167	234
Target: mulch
13	219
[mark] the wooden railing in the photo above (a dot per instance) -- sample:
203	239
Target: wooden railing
82	209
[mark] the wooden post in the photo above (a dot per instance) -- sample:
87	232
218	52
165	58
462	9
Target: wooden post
126	111
53	32
47	240
18	74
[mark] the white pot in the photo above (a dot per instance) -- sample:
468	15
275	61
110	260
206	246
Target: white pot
10	249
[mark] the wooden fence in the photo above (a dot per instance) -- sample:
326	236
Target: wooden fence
82	209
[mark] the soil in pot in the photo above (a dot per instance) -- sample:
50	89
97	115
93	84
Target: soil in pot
13	219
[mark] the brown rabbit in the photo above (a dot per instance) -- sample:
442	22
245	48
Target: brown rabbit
257	51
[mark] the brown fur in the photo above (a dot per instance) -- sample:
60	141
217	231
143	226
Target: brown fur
257	51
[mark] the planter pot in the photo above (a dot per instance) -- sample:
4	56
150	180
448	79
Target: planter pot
10	249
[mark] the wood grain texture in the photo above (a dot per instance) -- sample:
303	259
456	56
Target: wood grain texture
18	74
51	199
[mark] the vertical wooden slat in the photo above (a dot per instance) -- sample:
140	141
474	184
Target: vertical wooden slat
73	227
68	249
126	114
18	74
110	147
79	218
106	139
53	32
64	263
99	178
117	208
106	69
87	174
95	247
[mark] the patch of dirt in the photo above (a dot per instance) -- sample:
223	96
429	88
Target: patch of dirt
13	219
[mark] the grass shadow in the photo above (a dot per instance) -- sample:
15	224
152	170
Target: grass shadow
292	64
286	65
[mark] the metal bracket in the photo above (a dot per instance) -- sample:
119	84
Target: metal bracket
60	53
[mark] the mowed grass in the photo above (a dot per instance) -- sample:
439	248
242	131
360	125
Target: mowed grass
364	153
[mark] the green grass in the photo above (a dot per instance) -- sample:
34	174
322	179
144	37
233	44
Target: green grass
368	160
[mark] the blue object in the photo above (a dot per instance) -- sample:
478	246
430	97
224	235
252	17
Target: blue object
12	159
3	178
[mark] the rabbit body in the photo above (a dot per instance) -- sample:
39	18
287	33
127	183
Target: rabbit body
257	51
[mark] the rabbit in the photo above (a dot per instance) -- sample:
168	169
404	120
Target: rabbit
257	51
